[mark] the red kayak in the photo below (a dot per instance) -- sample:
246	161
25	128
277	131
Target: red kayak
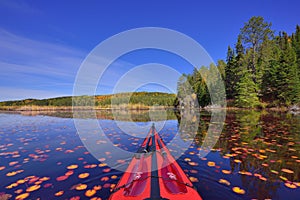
154	174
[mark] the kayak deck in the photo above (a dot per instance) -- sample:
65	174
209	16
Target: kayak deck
153	173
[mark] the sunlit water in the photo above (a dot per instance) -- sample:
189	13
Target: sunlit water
43	156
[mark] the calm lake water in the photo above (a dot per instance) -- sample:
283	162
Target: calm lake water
42	156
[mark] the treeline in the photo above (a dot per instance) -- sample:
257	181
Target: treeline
261	70
204	84
59	101
144	98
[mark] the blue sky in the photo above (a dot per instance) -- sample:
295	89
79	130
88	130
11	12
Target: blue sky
43	43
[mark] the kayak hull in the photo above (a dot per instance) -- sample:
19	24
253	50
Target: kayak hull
140	181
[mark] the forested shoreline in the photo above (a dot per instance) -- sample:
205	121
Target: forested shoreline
135	100
262	70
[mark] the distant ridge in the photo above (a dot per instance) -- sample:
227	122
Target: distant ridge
141	98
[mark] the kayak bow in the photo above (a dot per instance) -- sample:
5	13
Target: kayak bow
154	174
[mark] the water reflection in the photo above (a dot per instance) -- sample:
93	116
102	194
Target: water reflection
120	115
188	123
264	149
258	152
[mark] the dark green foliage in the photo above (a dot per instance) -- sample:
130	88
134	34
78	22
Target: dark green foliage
246	92
152	98
253	34
234	68
202	83
193	84
296	44
255	31
215	86
230	74
60	101
260	68
288	78
143	98
239	48
199	87
269	87
272	64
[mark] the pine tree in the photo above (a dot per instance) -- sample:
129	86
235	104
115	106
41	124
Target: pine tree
246	92
296	44
239	48
270	59
267	62
215	85
199	85
288	78
230	73
221	67
240	51
260	67
254	32
246	88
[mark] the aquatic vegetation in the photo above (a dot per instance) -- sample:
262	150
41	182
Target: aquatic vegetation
83	175
22	196
224	171
43	155
81	186
238	190
211	164
225	182
90	193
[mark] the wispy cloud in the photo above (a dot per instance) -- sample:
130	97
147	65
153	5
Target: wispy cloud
19	6
38	69
25	49
28	64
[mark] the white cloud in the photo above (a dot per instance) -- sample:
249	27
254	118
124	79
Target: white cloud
20	50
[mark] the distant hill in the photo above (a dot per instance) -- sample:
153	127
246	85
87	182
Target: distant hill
141	98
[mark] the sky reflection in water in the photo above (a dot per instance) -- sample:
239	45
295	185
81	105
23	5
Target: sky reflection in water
42	156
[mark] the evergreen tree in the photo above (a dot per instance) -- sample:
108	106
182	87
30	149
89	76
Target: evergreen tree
254	32
230	73
221	67
260	67
246	88
288	80
296	44
215	85
199	85
271	61
239	49
239	64
246	92
267	62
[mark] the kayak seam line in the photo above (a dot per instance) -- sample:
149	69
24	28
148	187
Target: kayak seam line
166	179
